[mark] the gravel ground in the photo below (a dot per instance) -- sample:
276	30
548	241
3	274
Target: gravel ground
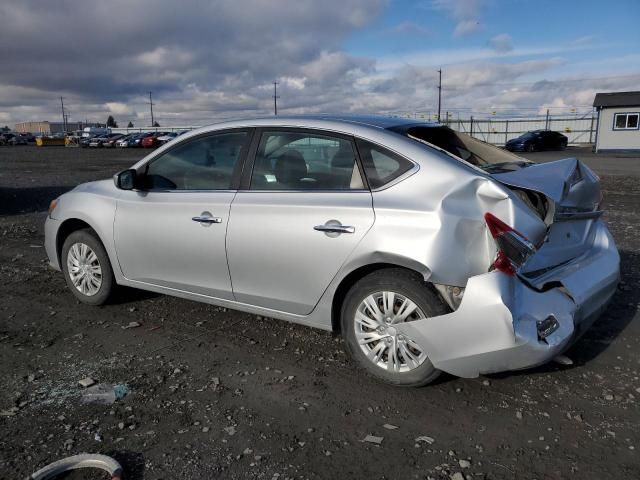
223	394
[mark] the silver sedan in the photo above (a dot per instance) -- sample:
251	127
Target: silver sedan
426	249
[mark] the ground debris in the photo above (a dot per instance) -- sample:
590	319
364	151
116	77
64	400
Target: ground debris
426	439
373	439
86	382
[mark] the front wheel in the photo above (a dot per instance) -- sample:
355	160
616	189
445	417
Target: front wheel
531	148
372	308
86	267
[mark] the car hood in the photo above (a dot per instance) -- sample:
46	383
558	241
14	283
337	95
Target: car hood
100	187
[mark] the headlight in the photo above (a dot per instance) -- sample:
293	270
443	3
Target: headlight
52	206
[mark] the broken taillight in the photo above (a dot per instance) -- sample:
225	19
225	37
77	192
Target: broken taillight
513	248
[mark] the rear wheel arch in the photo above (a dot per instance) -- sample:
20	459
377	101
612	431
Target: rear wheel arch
420	272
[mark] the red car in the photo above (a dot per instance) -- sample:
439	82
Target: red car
152	140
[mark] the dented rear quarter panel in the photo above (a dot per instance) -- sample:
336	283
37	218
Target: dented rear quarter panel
436	218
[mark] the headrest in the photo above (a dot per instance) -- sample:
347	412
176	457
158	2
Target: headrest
344	157
290	168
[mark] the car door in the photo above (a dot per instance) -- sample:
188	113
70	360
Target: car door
171	232
301	212
548	140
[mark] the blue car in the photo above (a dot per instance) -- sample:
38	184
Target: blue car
536	141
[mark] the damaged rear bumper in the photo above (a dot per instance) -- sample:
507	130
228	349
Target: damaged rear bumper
496	326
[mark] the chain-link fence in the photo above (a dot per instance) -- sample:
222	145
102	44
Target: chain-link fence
579	129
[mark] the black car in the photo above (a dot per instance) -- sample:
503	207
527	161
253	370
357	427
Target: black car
537	140
17	140
6	137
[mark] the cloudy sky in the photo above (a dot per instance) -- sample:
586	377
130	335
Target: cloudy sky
207	60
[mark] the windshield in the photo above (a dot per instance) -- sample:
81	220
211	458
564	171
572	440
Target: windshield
469	149
528	136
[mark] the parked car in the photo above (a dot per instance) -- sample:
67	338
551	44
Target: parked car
99	141
123	142
153	140
162	139
537	140
5	137
426	249
110	141
96	141
86	140
29	137
17	140
137	142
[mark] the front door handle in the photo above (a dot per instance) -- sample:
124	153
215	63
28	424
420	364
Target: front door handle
208	219
335	228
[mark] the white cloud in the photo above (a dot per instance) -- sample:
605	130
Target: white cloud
465	27
118	108
466	14
501	43
410	28
296	83
212	59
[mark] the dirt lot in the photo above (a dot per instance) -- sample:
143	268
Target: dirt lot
222	394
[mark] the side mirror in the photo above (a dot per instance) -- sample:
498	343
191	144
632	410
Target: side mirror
126	179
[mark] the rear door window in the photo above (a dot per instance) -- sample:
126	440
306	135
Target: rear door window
381	166
300	160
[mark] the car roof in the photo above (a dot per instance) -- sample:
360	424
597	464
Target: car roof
323	120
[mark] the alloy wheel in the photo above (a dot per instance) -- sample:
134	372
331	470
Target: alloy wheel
382	344
84	269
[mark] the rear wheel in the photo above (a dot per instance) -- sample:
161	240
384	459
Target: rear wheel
86	267
372	308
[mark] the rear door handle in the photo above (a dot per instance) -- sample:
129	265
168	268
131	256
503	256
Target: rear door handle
335	228
207	219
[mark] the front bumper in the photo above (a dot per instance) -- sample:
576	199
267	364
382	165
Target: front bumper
495	330
51	227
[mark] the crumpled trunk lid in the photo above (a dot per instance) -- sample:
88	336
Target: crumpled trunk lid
573	194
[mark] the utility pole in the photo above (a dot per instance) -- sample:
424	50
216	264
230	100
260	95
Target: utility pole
64	117
439	92
151	107
546	122
275	98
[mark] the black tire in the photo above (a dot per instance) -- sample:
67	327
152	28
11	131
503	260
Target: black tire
107	285
530	148
409	285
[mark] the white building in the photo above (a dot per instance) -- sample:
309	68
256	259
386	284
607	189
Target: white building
618	124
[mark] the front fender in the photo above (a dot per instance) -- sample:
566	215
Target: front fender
95	210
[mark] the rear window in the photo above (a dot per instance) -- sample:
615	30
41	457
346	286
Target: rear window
380	165
467	148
